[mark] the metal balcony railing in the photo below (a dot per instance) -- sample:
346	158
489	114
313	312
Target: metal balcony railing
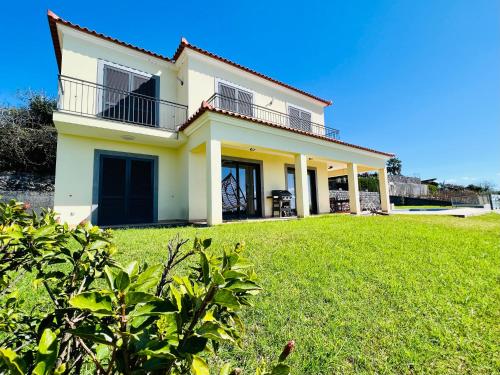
94	100
265	114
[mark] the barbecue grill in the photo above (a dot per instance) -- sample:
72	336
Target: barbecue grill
281	202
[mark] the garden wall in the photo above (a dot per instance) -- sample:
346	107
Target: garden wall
36	199
404	186
368	200
37	190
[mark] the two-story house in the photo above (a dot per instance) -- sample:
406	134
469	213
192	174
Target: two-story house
144	138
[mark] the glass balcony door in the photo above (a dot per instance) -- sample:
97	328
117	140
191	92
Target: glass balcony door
240	190
311	185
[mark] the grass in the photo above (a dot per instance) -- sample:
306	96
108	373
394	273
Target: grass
397	294
422	207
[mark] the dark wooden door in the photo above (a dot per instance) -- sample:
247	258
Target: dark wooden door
126	193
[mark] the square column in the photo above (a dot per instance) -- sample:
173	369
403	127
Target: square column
301	187
352	179
383	187
214	190
197	188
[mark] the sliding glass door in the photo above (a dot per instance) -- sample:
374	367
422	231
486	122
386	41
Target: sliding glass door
241	187
311	185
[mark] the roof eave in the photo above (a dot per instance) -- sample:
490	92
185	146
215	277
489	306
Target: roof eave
206	107
185	44
54	20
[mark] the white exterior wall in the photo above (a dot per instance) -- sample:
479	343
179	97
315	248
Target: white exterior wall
204	72
75	174
81	53
198	73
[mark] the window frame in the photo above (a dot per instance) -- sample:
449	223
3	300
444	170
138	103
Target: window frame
301	110
219	81
100	71
101	64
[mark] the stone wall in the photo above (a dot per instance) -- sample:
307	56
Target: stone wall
368	200
404	186
36	199
36	190
16	181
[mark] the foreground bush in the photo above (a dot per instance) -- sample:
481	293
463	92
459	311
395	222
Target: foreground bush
111	318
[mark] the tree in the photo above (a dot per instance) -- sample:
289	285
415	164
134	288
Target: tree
28	137
97	314
368	182
394	166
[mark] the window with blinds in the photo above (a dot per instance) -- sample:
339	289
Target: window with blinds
235	100
299	119
129	96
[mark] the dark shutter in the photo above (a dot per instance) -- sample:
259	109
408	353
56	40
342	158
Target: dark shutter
306	120
299	119
245	103
144	104
228	97
294	117
116	86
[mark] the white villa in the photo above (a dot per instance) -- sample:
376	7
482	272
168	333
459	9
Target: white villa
145	138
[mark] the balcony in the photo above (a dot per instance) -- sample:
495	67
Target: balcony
89	99
268	115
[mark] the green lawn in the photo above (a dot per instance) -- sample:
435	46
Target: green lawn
397	294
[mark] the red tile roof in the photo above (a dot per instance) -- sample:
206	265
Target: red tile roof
54	19
206	107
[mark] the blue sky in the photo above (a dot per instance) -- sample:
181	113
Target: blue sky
417	78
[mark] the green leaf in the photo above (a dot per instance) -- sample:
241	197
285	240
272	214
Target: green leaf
199	366
213	331
44	231
110	277
177	297
159	349
226	298
205	268
99	244
218	278
102	351
232	274
281	369
242	286
194	344
132	268
122	281
185	283
207	242
13	362
96	333
47	353
209	316
133	298
92	301
226	369
242	264
61	369
147	279
153	308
